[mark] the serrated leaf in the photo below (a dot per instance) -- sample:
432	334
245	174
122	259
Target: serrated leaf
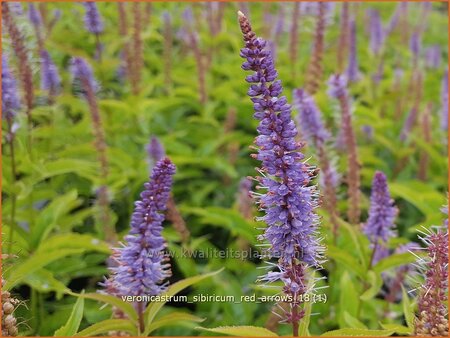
243	331
73	323
107	326
358	332
173	318
44	281
400	329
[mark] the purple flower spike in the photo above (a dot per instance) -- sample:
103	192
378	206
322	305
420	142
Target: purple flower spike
352	69
155	150
380	225
444	102
376	32
289	202
337	86
10	99
34	15
309	118
82	71
142	265
50	79
433	57
415	44
92	19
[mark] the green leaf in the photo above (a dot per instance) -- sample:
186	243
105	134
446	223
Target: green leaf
408	311
345	259
348	299
49	216
34	263
153	308
304	323
353	321
244	331
393	261
375	285
44	281
173	318
73	323
358	332
400	329
74	241
127	308
109	325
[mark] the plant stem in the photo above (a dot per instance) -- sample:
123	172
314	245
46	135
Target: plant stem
13	181
295	322
140	311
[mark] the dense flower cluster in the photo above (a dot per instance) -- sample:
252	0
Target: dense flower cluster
433	299
289	202
34	15
142	266
377	34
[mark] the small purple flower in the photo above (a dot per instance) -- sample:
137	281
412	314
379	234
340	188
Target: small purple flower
92	19
444	102
380	225
82	72
352	69
433	57
34	15
142	265
155	150
309	118
376	32
10	99
368	131
50	79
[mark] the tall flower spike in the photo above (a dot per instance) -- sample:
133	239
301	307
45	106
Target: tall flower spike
432	319
433	57
315	68
289	202
50	80
343	37
376	32
92	19
34	15
352	69
337	89
82	72
380	224
310	122
142	265
10	99
444	102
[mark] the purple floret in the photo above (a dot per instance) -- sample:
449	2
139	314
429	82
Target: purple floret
142	264
82	72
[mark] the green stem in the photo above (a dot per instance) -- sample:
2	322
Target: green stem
13	185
